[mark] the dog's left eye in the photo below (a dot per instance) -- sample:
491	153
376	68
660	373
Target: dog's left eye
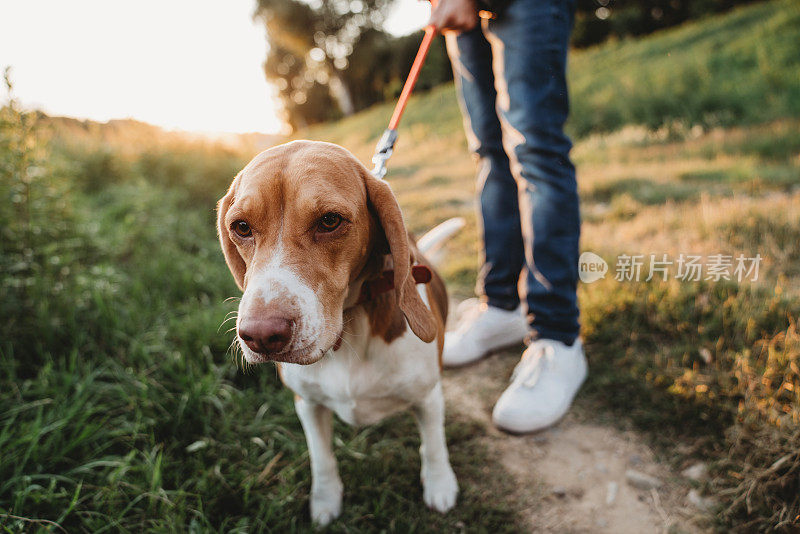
329	222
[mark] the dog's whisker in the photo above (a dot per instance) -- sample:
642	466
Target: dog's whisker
223	324
232	351
231	315
352	348
236	353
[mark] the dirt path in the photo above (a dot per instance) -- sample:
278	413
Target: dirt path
571	478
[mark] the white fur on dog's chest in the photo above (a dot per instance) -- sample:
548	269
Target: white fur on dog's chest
367	379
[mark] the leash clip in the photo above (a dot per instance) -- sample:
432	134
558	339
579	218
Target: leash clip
386	144
383	151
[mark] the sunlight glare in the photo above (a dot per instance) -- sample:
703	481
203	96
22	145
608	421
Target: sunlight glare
180	64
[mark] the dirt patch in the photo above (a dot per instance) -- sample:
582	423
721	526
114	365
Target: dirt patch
572	477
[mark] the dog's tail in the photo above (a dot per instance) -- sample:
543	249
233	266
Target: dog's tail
432	243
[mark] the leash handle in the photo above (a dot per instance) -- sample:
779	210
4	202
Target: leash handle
385	147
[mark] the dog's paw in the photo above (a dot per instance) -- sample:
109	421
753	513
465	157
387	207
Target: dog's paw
326	503
440	488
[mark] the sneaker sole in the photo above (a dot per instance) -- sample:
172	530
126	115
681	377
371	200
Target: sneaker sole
515	432
482	356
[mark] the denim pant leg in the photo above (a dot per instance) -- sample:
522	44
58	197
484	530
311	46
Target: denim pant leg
503	253
529	45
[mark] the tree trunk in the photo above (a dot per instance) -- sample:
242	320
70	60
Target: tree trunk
341	93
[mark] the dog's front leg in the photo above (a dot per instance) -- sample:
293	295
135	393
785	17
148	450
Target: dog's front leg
438	480
326	487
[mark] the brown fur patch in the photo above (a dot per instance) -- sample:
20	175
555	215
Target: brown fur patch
437	297
386	319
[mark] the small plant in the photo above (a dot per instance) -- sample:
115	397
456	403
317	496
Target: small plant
36	255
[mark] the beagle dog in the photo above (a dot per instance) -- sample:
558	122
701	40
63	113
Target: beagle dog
336	292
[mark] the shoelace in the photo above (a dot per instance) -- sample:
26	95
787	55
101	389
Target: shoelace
531	364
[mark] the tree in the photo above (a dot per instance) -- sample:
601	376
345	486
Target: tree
310	46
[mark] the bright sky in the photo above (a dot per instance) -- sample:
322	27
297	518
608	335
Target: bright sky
185	64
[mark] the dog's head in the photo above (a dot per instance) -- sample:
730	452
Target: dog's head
298	226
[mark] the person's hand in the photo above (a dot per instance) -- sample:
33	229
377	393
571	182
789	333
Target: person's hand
454	15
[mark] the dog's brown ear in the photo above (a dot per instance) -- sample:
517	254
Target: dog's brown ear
232	257
419	316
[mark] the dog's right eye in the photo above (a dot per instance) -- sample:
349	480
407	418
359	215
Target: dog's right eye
242	229
329	222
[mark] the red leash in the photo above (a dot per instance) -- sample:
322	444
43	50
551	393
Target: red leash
386	143
413	75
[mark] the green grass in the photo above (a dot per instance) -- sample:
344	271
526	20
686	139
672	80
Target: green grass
729	70
121	410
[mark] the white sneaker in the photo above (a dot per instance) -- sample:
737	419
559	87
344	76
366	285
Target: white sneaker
542	387
481	330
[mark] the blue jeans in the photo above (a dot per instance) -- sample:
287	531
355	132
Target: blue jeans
511	79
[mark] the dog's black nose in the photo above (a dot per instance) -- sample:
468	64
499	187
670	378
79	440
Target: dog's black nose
266	336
